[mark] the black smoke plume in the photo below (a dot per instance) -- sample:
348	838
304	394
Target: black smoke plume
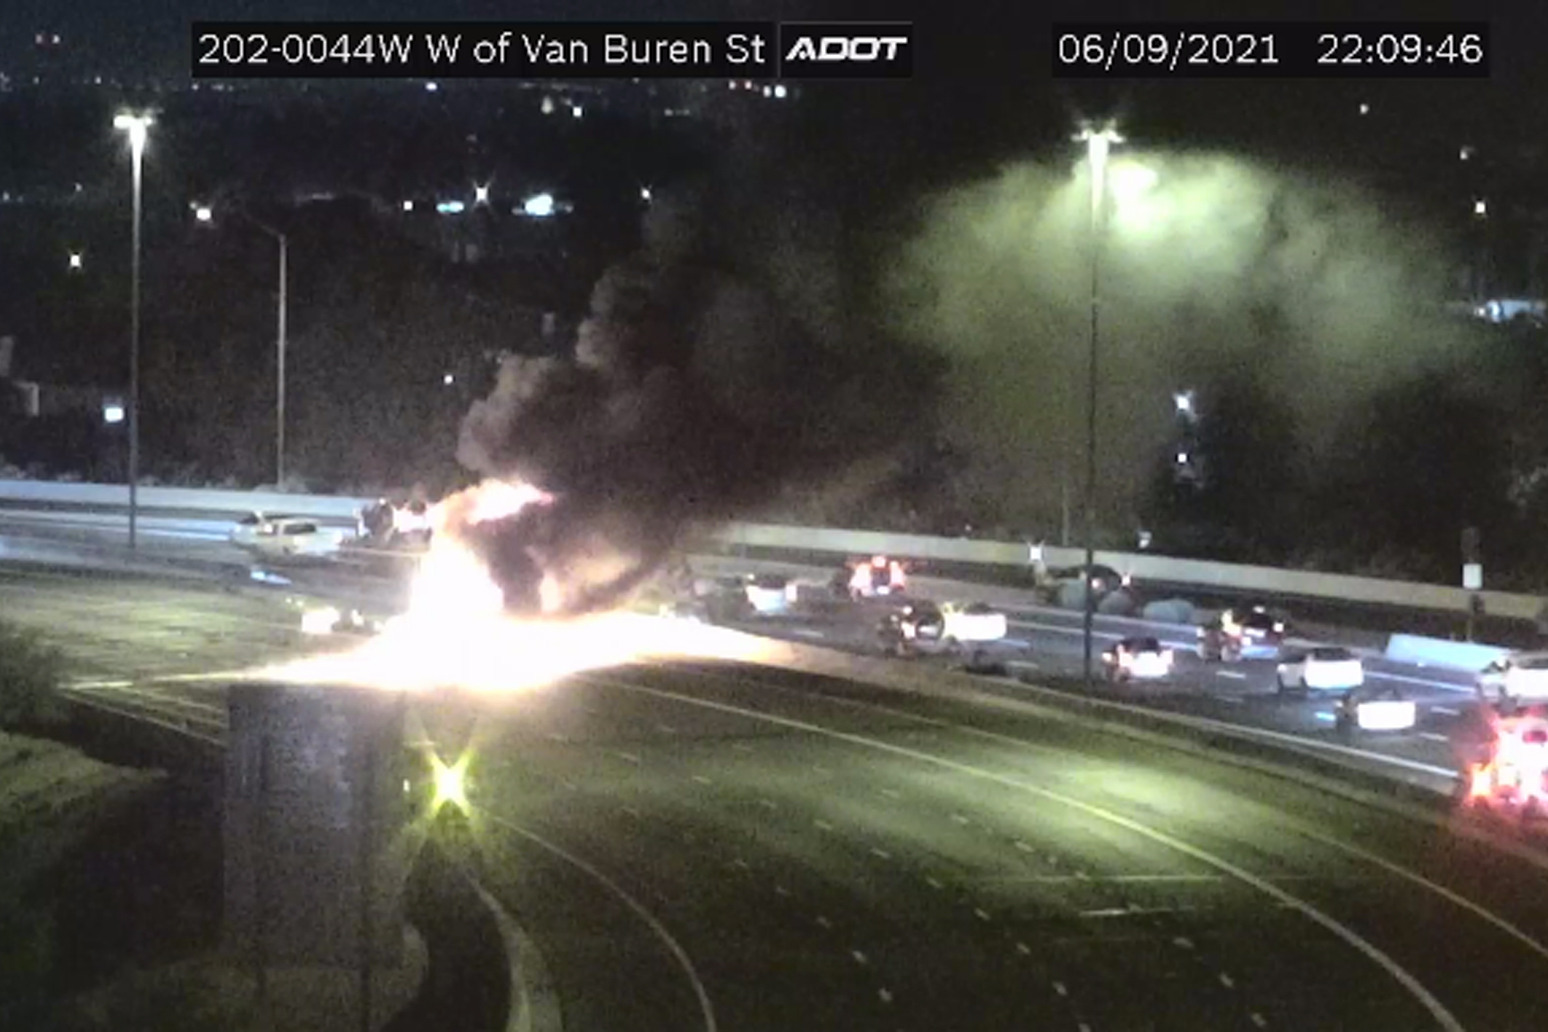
700	388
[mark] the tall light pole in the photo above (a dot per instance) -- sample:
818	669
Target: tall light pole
279	345
137	126
1098	142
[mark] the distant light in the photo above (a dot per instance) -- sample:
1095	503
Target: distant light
450	783
113	412
548	105
408	205
577	111
77	187
431	87
540	206
450	207
448	379
780	91
747	84
644	193
1480	207
1466	153
75	259
1365	109
203	213
1182	458
1184	400
481	193
768	91
137	126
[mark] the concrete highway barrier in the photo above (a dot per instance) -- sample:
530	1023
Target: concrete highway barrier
1439	652
1268	581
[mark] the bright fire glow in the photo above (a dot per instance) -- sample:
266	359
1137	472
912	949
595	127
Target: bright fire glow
456	632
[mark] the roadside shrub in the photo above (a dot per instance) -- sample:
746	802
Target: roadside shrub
30	673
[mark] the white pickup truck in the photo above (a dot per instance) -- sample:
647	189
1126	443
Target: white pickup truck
945	629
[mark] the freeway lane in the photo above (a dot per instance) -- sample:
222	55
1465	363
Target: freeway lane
822	864
825	863
1237	693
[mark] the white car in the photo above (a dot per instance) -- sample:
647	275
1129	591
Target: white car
972	622
1382	709
248	529
1326	668
771	595
1519	676
1138	658
295	537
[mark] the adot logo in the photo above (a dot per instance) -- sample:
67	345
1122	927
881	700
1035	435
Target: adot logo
847	48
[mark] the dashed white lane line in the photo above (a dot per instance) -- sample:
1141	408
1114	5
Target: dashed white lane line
1259	1020
631	757
1023	846
1234	675
808	632
881	854
1023	949
1437	1010
823	825
1059	988
960	819
859	957
702	780
983	915
885	995
1447	710
934	883
768	804
823	922
1183	941
1231	700
780	890
1226	981
666	729
741	747
1434	737
632	811
741	865
891	793
1083	1027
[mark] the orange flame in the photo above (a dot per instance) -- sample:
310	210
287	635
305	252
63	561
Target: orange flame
456	632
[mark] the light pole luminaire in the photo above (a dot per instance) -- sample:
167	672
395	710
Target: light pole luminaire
1098	142
137	126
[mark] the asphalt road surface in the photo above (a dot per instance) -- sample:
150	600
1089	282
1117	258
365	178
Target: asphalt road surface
700	847
740	848
1047	640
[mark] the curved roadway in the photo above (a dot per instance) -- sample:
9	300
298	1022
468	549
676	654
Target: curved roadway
741	848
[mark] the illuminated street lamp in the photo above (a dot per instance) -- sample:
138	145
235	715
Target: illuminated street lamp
75	260
138	128
1098	143
203	213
